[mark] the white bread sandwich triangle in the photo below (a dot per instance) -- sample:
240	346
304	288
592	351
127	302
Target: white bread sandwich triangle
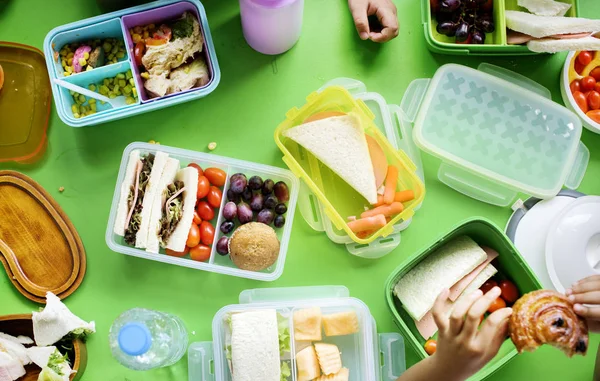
550	45
177	239
160	161
127	187
11	369
52	363
545	7
339	142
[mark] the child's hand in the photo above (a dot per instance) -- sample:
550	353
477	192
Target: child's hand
385	10
587	291
462	348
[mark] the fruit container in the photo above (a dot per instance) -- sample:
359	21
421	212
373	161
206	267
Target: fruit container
573	71
116	25
509	263
495	42
497	133
216	263
368	356
337	199
391	121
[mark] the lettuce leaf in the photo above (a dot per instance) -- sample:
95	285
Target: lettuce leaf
55	362
47	374
286	372
283	327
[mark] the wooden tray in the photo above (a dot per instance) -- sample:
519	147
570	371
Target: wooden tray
39	247
16	325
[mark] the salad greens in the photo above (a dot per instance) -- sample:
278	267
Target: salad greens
184	27
55	362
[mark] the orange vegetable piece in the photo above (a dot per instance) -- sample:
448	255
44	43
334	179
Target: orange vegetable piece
369	223
387	210
404	196
378	159
594	115
1	77
390	184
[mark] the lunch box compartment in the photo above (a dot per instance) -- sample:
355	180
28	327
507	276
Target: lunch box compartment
510	266
368	356
495	42
216	263
158	16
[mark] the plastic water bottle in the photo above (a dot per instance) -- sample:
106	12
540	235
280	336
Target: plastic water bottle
143	339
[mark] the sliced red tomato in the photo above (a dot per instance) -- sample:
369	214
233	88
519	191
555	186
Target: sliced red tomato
138	52
155	41
200	253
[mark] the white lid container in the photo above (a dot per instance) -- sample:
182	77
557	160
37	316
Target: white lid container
216	263
392	122
361	352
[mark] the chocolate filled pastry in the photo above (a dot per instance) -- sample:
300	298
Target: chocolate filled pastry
547	317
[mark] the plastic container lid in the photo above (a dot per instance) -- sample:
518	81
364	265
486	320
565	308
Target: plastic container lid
573	245
135	339
498	133
24	103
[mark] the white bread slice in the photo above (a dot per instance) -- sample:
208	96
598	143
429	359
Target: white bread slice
255	346
543	26
550	45
545	7
339	142
167	178
160	160
10	368
189	176
128	182
418	289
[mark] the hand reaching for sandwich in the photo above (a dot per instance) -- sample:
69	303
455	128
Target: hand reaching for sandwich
587	291
386	13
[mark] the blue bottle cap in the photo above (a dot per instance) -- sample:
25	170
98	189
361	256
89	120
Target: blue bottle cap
135	339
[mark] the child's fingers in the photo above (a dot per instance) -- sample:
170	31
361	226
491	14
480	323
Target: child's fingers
389	20
494	330
585	285
457	317
439	315
361	21
587	312
478	310
591	297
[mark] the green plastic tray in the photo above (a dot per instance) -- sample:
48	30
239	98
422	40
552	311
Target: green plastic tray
495	43
510	264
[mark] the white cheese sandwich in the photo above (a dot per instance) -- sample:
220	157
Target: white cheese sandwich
53	364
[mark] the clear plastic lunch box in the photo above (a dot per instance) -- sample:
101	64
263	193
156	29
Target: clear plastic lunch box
116	25
217	263
368	356
392	123
337	199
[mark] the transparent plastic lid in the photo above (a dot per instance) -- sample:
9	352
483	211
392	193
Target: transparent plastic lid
494	125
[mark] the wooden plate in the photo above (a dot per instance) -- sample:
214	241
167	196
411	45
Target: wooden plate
16	325
39	247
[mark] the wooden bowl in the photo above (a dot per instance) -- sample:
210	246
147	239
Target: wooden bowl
16	325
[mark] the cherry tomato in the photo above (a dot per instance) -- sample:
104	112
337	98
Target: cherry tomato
579	67
575	86
496	305
1	77
214	197
430	346
216	176
596	73
205	211
138	52
193	236
488	286
207	233
585	58
197	219
581	101
594	115
199	168
203	187
510	292
200	253
597	87
588	83
593	99
178	253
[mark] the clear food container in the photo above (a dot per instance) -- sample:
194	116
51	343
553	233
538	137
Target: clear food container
368	356
392	123
116	25
217	263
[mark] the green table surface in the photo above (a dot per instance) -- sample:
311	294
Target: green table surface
255	93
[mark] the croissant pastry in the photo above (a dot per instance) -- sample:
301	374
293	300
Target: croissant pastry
547	317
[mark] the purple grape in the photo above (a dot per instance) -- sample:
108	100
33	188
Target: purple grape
227	227
462	33
267	187
265	216
450	6
223	246
232	196
447	28
245	214
271	202
279	221
255	183
280	209
238	183
247	194
478	37
230	211
257	202
281	191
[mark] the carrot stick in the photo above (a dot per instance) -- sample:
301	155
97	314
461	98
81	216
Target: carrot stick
390	184
379	201
386	210
370	223
404	196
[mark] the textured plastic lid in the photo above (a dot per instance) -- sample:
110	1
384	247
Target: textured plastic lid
24	103
573	245
135	339
499	126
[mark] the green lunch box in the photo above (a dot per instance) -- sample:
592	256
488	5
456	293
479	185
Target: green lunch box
509	263
495	42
